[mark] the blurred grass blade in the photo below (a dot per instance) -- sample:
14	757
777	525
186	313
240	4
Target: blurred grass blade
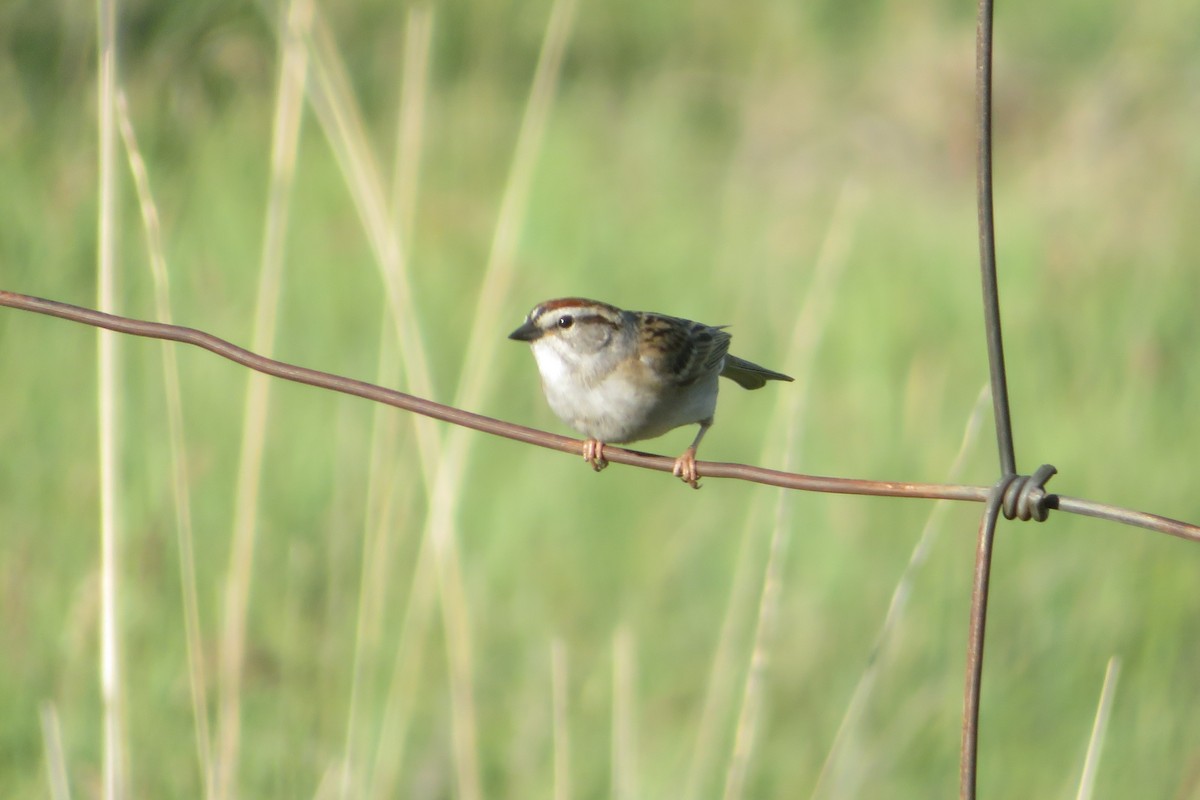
746	730
285	136
111	696
721	677
560	721
56	763
333	102
358	776
624	715
406	677
334	105
477	368
841	767
1091	764
377	546
811	323
410	125
491	302
180	482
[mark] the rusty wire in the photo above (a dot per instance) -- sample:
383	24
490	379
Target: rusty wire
981	580
977	630
969	749
565	444
987	238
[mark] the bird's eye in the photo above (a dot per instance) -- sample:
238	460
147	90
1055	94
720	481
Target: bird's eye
566	321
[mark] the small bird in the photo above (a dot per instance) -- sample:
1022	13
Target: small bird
622	376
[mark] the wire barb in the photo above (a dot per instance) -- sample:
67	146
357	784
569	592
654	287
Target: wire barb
1024	497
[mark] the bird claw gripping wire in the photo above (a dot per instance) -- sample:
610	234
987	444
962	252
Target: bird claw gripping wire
1025	496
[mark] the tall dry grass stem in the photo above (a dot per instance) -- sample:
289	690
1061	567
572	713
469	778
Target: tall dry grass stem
624	715
479	356
560	719
359	777
405	680
56	763
334	104
410	121
285	136
180	479
840	770
379	523
1091	763
111	695
332	100
749	712
807	334
811	322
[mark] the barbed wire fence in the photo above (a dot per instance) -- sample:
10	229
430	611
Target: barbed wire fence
1014	495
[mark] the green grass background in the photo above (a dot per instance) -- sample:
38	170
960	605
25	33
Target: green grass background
693	162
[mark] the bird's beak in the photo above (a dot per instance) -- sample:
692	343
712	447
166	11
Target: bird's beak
526	333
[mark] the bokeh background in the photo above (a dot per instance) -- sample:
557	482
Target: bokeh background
801	171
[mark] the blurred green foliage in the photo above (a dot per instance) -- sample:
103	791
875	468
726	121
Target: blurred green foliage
695	159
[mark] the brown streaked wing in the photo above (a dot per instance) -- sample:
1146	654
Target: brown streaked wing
687	350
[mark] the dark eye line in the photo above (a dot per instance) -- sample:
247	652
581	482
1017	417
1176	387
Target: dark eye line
567	321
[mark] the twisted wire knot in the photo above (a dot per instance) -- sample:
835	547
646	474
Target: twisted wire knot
1024	496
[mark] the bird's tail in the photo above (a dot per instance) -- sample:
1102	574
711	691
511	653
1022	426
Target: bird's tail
749	375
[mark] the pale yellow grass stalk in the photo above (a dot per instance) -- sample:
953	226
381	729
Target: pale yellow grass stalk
560	720
811	322
56	763
746	731
1091	764
327	787
406	677
358	776
491	307
286	134
375	577
197	681
624	724
718	696
335	108
841	769
111	696
332	101
410	122
476	372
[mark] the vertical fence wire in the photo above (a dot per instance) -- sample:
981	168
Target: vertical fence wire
987	237
969	752
968	757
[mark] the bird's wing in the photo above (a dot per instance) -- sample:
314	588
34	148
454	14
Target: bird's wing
685	350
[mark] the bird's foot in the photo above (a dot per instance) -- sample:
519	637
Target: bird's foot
593	453
685	468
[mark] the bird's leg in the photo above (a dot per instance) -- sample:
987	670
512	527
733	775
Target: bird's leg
685	465
593	453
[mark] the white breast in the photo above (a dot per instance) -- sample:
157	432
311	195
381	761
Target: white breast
618	407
